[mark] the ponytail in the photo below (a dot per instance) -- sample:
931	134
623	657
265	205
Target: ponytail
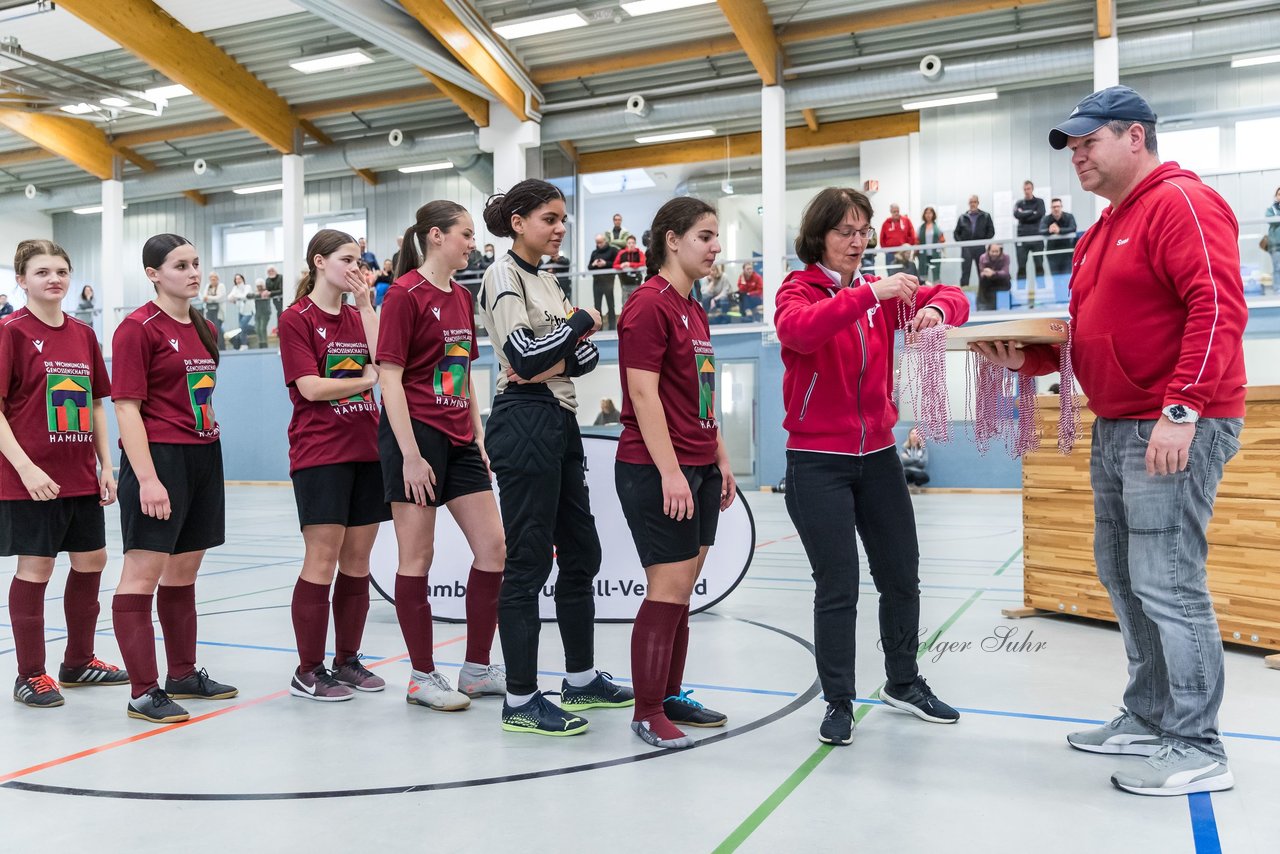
441	214
306	285
410	258
205	333
154	253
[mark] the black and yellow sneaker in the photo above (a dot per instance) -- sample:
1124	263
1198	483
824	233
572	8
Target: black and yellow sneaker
682	711
198	686
540	716
38	692
96	672
599	693
156	707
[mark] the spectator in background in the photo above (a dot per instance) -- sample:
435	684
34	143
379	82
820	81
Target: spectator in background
618	235
262	312
384	280
395	258
242	298
471	277
558	266
896	230
631	262
751	292
215	297
903	263
993	276
602	284
85	308
867	266
1060	227
928	260
717	294
973	224
1273	240
1029	212
486	257
915	461
608	414
5	308
367	256
275	289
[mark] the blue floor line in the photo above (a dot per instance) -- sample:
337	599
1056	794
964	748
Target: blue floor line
1204	827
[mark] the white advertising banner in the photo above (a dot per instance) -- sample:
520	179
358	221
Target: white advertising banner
620	586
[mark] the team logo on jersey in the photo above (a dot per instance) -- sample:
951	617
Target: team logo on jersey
323	332
173	342
453	369
685	318
436	311
200	388
39	345
340	366
69	403
706	386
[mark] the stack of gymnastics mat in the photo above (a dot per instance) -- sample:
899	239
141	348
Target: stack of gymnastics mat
1244	536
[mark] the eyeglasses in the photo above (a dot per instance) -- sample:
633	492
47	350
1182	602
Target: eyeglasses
849	233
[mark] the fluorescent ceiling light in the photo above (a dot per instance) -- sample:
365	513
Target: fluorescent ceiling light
167	93
261	188
114	102
951	101
676	136
636	8
331	61
1254	59
618	181
426	167
78	109
93	209
540	25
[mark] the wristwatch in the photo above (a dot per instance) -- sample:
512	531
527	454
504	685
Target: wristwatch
1179	414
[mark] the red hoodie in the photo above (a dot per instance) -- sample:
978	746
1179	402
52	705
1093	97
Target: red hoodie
1157	304
837	353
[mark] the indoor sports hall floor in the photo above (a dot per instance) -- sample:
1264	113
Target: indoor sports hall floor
268	772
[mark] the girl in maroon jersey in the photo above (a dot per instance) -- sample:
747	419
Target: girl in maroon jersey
163	370
672	472
52	381
333	460
432	447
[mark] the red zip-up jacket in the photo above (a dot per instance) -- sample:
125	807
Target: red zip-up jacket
837	355
1157	304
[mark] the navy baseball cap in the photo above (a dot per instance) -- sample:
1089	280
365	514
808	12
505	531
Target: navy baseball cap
1115	102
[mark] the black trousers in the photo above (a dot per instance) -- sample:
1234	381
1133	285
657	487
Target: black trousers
602	288
987	289
969	256
536	453
828	496
1060	264
1024	251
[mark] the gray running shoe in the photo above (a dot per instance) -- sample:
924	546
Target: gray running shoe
1177	769
487	681
1125	734
434	691
642	729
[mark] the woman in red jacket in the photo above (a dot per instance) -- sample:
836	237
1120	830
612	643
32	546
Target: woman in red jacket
333	461
837	330
751	291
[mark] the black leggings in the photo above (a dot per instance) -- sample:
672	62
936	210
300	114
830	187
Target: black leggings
828	495
536	452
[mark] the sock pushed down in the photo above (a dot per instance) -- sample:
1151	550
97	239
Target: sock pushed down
582	678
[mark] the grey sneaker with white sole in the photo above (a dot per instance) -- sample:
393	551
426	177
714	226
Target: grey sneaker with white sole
1176	769
1124	734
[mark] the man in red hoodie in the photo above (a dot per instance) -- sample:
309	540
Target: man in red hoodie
1157	320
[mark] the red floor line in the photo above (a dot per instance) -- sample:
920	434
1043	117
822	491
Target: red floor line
780	539
53	763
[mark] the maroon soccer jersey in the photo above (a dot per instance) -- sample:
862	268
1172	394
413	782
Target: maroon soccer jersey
314	343
164	364
432	335
49	378
663	332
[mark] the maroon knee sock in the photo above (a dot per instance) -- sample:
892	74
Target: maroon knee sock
176	607
414	612
26	616
310	623
652	637
679	651
350	610
482	614
80	605
131	617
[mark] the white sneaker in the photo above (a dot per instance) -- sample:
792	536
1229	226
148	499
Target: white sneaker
489	681
1177	769
434	691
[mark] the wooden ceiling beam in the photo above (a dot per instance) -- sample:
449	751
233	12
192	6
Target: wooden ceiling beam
748	144
80	142
154	36
754	30
810	118
700	49
442	22
476	108
1105	19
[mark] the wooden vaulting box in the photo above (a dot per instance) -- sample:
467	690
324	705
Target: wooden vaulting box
1244	536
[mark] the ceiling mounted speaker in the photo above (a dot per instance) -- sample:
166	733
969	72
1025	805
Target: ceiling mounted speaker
396	138
931	66
200	167
30	191
638	106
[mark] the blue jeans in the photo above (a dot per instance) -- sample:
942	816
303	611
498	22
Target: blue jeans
1150	548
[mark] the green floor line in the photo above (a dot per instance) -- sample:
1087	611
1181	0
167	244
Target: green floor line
1009	562
742	832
